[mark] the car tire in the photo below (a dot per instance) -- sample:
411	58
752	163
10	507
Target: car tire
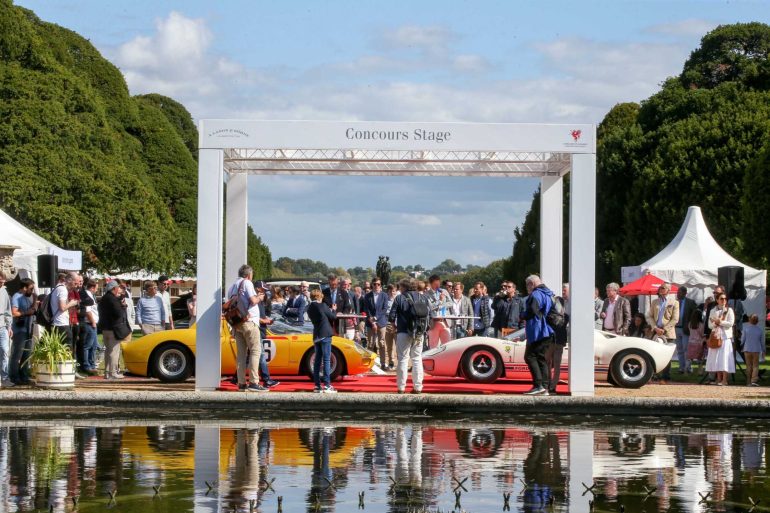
481	364
172	363
479	442
336	364
631	368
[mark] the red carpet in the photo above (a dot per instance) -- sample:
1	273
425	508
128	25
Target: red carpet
387	383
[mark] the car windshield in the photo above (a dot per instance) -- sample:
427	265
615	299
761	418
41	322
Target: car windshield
518	335
281	327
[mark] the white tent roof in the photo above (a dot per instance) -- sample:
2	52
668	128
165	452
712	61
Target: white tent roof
693	258
31	245
694	248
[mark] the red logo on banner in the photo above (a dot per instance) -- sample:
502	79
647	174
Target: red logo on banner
576	134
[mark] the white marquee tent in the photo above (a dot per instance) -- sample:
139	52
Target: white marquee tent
692	260
30	244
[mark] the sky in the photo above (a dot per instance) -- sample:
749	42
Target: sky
471	61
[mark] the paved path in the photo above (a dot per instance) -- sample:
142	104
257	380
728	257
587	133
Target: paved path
144	394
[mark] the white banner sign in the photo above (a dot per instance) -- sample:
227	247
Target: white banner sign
380	135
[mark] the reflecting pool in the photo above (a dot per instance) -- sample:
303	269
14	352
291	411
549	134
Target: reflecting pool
311	466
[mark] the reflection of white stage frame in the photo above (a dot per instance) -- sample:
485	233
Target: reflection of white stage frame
238	148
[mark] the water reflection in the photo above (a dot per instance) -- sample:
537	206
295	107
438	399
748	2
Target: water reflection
247	466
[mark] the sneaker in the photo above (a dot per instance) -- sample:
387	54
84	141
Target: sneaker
536	391
255	387
400	391
242	388
329	390
416	391
270	383
116	376
8	384
754	385
80	376
317	390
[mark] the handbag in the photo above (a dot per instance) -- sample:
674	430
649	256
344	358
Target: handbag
715	337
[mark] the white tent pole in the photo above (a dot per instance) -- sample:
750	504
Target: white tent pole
582	271
210	214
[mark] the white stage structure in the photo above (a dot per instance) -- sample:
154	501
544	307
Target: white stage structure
238	148
692	259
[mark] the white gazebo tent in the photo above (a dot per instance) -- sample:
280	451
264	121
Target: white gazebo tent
692	259
31	245
234	149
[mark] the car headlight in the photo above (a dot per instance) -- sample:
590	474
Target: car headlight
363	352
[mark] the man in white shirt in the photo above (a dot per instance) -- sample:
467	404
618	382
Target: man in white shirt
60	305
248	341
166	296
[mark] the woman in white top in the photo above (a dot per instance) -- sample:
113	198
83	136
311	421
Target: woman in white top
721	360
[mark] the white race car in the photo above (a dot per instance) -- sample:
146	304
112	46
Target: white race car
628	362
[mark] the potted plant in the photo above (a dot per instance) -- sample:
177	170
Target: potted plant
52	361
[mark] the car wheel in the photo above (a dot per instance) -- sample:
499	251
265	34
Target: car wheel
631	368
336	364
482	365
172	363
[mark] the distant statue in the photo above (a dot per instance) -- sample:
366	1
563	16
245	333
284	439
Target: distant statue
378	268
384	272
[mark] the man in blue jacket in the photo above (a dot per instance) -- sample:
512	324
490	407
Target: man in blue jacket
539	334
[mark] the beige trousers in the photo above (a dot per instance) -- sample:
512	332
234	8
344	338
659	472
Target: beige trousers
111	353
248	345
752	367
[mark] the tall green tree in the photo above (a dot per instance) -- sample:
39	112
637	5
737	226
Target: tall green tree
258	255
83	163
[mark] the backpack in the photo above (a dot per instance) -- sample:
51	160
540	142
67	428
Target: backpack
44	315
417	315
230	310
555	316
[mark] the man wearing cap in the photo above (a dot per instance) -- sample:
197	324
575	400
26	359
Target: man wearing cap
166	296
112	316
247	338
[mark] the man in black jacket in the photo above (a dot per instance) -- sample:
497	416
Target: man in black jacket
507	307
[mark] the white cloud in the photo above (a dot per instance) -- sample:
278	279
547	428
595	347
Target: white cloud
433	40
175	60
692	27
421	220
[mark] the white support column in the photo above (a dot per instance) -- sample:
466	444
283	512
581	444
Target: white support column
581	469
210	213
551	231
206	470
582	271
237	215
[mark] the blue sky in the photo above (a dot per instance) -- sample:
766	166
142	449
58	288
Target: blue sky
476	61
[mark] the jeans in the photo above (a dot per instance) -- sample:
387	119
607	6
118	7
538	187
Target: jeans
534	355
5	347
681	348
89	347
263	370
18	366
323	354
408	348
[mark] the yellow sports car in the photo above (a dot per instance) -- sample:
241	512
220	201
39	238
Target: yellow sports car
170	355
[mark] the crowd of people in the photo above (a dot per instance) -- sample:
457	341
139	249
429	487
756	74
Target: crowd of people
709	335
383	318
